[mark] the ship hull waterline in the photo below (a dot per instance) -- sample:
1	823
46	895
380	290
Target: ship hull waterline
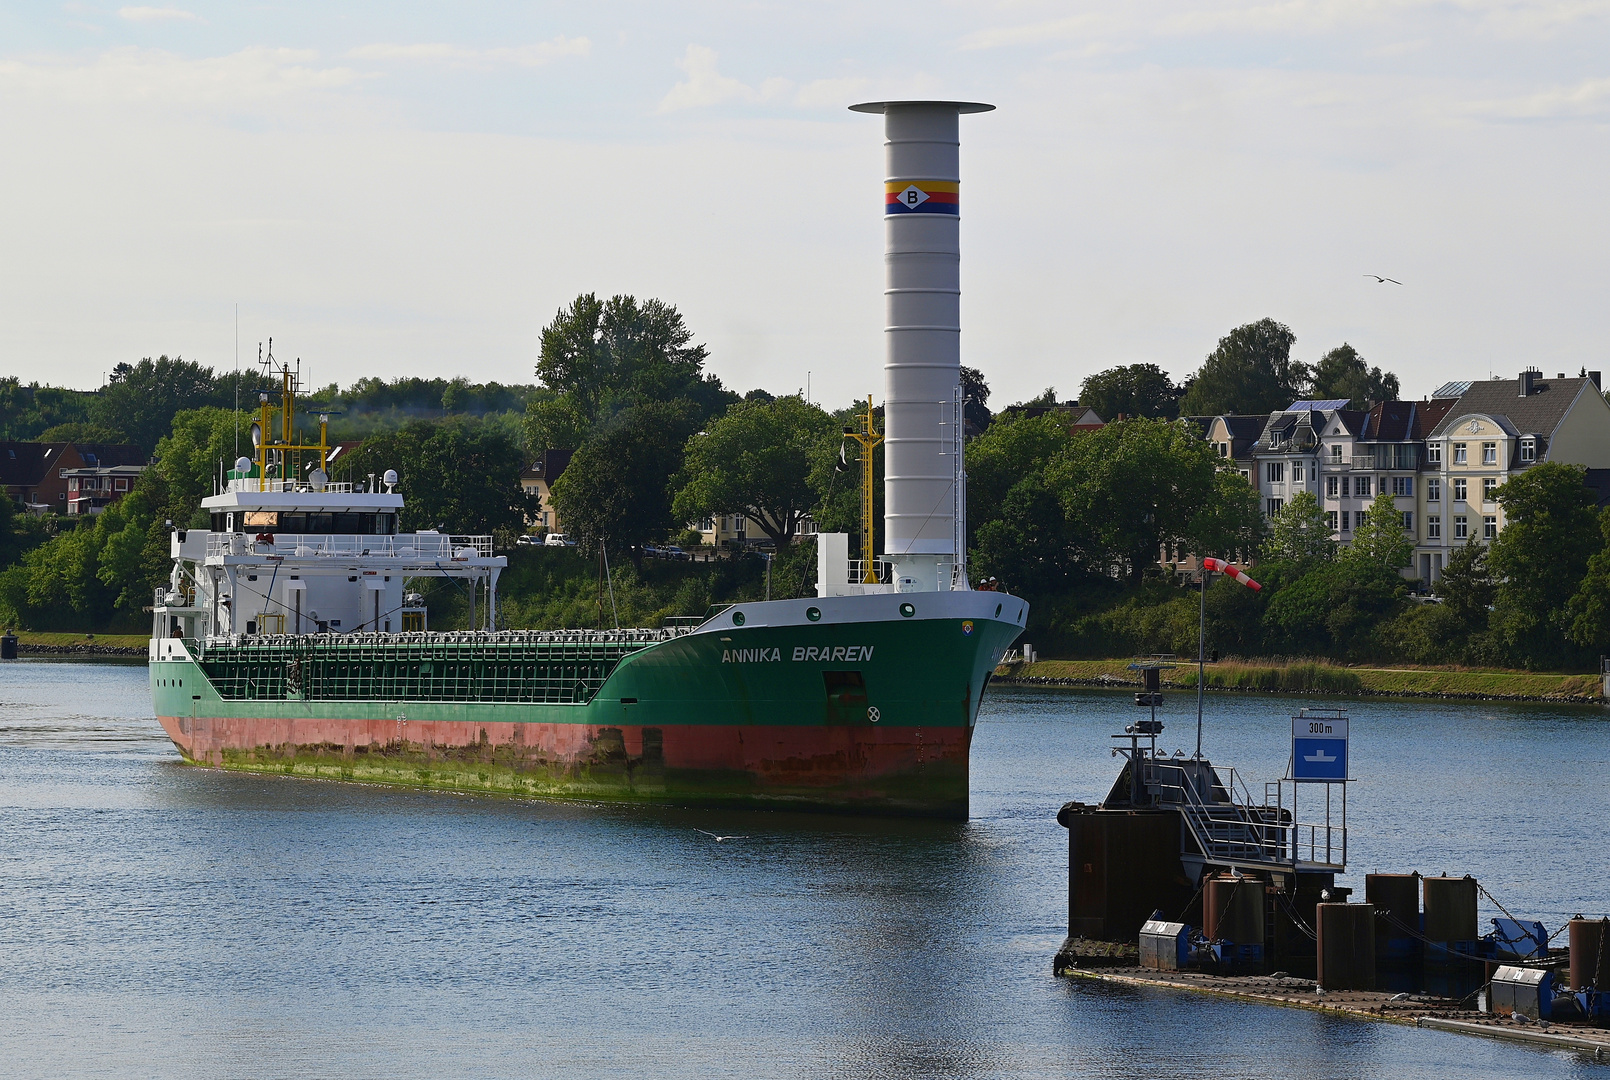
730	717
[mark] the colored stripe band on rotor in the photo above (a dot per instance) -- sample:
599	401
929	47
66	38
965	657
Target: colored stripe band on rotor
921	197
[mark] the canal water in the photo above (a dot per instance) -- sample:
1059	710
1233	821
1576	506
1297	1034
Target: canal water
161	920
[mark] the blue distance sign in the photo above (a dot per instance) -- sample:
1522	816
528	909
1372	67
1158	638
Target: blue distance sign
1318	748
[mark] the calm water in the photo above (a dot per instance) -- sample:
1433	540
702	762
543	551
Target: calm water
159	920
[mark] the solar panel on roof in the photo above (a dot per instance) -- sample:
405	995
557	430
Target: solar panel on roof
1338	403
1451	390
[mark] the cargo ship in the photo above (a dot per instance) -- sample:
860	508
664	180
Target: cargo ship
288	639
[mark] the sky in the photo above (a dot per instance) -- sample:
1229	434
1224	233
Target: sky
402	188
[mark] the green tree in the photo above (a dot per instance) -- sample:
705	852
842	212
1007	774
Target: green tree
461	475
80	432
616	488
1550	532
977	390
757	461
1136	490
1342	373
1251	371
1381	540
1300	533
1131	390
141	399
190	460
1589	608
605	355
1014	449
1335	609
28	410
554	422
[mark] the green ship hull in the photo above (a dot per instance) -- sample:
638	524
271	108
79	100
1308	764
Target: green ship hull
855	703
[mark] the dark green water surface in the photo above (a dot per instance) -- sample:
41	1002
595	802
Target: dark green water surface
161	920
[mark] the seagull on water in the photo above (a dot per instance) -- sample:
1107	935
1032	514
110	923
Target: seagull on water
719	839
1379	280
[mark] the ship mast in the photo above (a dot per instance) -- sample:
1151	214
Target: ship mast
869	437
288	450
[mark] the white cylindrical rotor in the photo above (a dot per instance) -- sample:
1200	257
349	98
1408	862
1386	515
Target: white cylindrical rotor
922	324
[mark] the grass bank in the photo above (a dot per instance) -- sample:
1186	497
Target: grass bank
37	643
1319	677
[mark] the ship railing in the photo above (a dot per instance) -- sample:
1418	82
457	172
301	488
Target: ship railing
411	546
255	485
1239	833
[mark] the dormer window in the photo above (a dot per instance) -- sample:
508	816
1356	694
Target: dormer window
1528	449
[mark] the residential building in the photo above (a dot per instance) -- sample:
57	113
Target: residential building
727	530
1494	431
1286	457
1366	453
1233	438
538	479
93	488
35	474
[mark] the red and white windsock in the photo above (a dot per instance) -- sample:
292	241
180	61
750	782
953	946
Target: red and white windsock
1219	566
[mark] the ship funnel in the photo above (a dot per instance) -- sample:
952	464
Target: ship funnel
924	501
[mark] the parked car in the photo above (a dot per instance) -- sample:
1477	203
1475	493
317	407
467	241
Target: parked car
651	552
675	553
557	540
527	540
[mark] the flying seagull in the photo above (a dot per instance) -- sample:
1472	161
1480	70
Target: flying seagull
1379	280
719	839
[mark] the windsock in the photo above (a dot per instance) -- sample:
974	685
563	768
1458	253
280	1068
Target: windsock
1222	567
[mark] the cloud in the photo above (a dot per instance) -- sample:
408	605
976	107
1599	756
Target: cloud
125	75
535	55
1587	100
156	14
704	86
1165	19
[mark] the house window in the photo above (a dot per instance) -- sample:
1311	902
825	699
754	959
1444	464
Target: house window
1274	506
1296	473
1528	450
1336	453
1274	471
1330	520
707	524
1403	485
1345	481
1361	486
1433	489
1489	453
1461	528
1224	449
1433	453
72	485
1330	486
1433	526
1489	526
1459	456
1489	484
1246	475
1344	520
1459	490
122	484
1408	520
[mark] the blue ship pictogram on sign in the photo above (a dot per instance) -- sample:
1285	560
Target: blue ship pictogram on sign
1318	748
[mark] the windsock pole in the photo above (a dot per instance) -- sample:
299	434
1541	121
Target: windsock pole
1208	567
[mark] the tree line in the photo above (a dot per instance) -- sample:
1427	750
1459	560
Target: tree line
1088	525
1250	372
